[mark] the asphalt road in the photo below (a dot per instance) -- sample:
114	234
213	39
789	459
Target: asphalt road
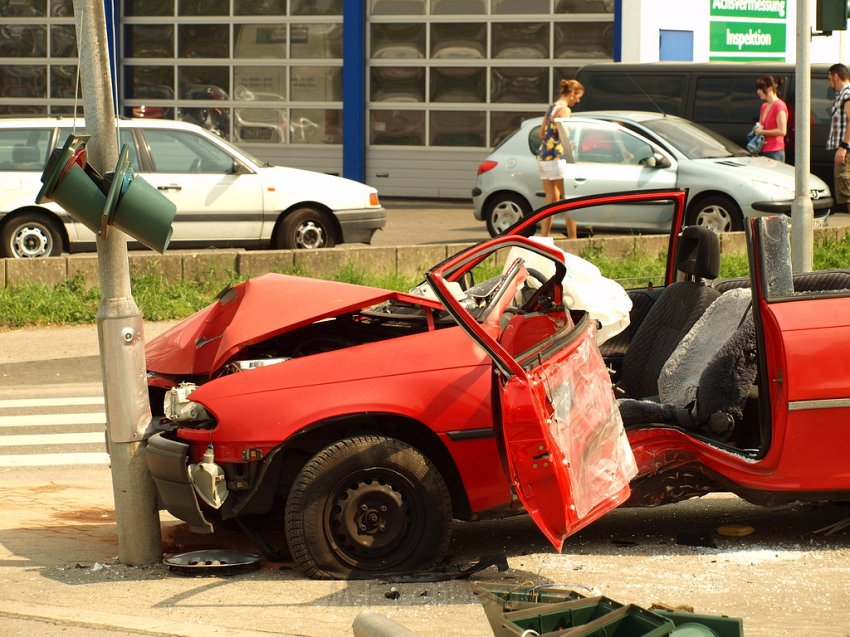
426	221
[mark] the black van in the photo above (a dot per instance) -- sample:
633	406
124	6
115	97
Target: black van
719	95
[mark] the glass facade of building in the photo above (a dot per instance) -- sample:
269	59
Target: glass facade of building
269	74
466	72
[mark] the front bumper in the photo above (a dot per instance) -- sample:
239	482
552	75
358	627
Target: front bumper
359	225
168	462
822	206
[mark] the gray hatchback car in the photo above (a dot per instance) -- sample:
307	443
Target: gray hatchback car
627	151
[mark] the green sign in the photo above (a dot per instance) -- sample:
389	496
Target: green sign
761	9
747	37
746	58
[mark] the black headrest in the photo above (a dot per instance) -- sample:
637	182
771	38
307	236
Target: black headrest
699	252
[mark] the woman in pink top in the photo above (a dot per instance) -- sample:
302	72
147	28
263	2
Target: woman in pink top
773	118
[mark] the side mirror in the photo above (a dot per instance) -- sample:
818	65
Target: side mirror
656	160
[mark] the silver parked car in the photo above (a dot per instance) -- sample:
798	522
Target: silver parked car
627	151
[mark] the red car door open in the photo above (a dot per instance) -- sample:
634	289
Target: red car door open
567	452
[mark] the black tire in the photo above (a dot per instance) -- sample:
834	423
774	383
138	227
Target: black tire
305	228
718	212
31	235
503	210
367	505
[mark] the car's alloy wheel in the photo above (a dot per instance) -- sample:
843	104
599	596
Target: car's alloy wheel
503	211
30	236
305	228
367	505
718	212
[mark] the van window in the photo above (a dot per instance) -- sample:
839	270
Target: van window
726	99
643	92
821	101
24	148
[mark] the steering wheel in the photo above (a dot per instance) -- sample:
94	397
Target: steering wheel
546	284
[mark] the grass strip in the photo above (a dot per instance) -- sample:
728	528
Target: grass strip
160	298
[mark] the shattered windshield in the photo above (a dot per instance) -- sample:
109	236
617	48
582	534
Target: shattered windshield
693	140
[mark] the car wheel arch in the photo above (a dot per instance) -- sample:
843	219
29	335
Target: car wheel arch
494	198
49	216
325	210
699	199
297	450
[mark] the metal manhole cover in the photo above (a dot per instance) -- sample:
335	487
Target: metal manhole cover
212	562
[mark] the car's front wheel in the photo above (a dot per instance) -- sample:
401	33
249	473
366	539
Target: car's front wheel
718	212
504	209
305	228
367	505
31	235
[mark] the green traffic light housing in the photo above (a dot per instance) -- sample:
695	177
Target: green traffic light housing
832	15
73	184
122	199
135	207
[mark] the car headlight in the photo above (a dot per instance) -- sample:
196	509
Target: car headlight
776	191
179	409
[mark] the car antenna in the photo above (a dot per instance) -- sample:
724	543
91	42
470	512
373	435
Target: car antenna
647	95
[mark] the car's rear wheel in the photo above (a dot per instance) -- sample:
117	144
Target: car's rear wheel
31	235
305	228
367	505
718	212
504	209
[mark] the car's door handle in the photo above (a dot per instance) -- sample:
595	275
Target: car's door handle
580	180
174	187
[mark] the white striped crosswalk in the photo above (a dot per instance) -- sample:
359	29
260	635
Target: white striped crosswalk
52	431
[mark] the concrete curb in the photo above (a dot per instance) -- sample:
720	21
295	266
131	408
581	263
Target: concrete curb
94	620
408	261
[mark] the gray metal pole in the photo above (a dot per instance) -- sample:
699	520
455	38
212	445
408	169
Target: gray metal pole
119	322
802	211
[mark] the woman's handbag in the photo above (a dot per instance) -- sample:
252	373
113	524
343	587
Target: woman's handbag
754	142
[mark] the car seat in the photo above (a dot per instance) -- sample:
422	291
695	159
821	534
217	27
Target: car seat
721	393
680	376
673	314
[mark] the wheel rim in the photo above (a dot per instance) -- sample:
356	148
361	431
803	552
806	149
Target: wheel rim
505	214
715	217
310	235
32	241
371	520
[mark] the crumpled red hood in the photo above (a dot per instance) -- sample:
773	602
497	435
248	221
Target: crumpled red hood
248	313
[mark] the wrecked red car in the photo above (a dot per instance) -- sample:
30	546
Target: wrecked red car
366	420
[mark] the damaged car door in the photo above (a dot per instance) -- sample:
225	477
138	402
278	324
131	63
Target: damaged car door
567	452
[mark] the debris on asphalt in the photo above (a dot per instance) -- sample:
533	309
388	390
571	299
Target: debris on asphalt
531	611
834	528
446	573
696	538
392	593
735	530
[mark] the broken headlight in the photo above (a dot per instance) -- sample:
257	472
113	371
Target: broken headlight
178	408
